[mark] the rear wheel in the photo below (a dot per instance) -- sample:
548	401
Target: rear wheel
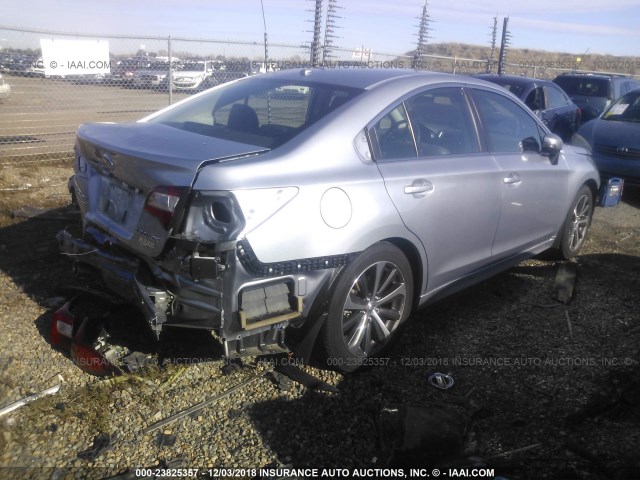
576	225
371	299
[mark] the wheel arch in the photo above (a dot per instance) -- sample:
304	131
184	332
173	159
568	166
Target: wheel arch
593	186
415	262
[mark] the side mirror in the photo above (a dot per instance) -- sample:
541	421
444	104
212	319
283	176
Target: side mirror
551	147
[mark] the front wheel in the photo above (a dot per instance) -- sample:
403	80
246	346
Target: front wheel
576	225
371	299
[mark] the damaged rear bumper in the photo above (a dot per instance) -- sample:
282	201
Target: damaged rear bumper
249	312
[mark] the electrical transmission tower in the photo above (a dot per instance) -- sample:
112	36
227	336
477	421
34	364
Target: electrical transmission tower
503	45
321	52
492	53
423	35
317	31
329	30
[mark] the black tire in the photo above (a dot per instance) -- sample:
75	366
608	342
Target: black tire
576	225
371	299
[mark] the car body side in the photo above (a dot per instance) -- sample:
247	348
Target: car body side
326	200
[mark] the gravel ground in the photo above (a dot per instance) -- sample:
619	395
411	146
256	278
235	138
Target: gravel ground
547	391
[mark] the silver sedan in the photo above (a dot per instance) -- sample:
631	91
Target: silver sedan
325	217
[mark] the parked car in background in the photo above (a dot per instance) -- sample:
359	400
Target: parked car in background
5	89
90	78
374	193
155	75
614	139
36	69
593	93
123	71
193	75
21	65
545	99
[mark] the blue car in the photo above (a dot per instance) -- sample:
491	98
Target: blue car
614	139
546	99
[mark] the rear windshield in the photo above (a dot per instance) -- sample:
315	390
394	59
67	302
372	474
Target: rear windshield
589	87
258	111
516	88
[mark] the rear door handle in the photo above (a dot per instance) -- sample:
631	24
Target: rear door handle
512	179
419	188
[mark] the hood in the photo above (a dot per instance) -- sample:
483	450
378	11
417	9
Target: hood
614	133
146	155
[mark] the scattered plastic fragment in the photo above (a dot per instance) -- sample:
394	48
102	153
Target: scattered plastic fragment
101	443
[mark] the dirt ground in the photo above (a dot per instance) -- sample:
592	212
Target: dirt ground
551	390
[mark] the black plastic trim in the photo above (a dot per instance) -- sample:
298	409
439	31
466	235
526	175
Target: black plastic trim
250	262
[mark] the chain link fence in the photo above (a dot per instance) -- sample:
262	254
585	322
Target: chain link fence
124	78
46	100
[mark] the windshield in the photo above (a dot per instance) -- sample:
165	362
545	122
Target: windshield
586	86
258	111
625	109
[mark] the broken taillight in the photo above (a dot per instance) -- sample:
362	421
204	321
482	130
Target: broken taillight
61	331
85	355
91	361
162	203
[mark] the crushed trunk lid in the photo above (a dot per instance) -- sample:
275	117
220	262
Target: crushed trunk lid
131	178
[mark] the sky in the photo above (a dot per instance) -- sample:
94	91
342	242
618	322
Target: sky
385	26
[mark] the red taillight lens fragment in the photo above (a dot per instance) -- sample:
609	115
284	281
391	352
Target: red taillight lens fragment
91	361
162	202
85	355
61	331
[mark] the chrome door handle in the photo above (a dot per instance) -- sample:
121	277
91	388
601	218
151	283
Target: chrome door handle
512	179
419	188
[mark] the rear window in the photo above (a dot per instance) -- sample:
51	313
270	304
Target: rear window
586	86
516	88
258	111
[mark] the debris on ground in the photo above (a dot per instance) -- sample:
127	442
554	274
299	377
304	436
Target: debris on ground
421	435
565	282
30	398
205	403
101	443
165	440
297	375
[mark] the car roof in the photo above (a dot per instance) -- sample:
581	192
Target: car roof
365	78
604	76
513	79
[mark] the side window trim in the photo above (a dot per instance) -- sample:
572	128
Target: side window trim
374	140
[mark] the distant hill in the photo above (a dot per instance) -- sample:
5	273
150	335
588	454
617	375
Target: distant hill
472	59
